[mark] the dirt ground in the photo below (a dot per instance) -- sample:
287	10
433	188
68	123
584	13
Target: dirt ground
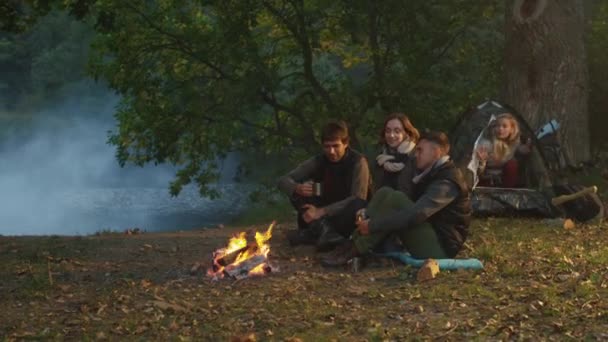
540	282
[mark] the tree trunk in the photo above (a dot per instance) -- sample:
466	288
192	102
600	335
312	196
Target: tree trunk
546	68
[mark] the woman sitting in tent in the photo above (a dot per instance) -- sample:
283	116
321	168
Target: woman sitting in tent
500	154
395	165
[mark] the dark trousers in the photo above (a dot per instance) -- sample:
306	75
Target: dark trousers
421	241
343	221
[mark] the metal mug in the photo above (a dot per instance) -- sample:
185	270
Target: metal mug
316	189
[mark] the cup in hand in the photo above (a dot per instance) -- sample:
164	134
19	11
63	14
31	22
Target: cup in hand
316	189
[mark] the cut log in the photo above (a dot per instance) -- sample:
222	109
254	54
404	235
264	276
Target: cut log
428	271
242	269
231	257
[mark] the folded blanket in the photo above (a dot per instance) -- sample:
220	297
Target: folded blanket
444	264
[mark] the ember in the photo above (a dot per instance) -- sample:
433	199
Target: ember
241	259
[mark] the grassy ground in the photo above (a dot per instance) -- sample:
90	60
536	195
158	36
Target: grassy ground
539	282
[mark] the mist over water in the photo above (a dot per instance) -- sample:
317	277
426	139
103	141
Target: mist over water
59	176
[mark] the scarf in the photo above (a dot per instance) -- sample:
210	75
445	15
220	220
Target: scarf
435	165
392	159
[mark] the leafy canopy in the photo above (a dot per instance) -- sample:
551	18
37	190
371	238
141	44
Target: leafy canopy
201	79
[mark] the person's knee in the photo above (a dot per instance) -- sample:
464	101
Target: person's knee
384	191
399	200
512	166
400	197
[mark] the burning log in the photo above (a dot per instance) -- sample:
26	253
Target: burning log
242	269
241	259
229	258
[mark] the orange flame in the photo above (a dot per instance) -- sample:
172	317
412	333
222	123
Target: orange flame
239	241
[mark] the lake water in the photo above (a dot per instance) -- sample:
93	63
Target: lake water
86	211
58	175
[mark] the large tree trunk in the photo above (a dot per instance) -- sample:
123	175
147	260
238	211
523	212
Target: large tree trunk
546	68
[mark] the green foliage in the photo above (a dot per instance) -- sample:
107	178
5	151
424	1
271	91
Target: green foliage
18	16
264	212
203	79
200	80
62	45
36	64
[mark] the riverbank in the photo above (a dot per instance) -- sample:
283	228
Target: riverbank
538	281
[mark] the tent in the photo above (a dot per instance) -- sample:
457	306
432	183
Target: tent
540	180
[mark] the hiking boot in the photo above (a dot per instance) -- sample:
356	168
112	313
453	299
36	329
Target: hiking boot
341	255
301	237
328	238
391	244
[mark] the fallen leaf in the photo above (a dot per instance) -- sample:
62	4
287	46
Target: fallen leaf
166	306
173	326
64	287
244	338
101	308
356	290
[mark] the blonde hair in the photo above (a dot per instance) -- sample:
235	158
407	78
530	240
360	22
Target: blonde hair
503	148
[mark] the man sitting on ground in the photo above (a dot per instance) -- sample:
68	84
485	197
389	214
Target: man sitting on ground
342	174
434	226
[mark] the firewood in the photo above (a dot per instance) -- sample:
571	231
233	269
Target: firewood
231	257
428	271
242	269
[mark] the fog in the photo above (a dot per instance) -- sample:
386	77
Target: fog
59	176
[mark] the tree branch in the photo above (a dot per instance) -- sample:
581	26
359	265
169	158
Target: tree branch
437	58
178	40
299	33
272	101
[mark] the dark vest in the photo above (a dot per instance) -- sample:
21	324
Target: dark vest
452	222
336	178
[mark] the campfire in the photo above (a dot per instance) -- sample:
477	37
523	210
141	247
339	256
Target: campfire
241	259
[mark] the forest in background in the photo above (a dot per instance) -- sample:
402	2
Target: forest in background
198	81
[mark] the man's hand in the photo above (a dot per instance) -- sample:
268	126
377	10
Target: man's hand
363	227
312	213
304	189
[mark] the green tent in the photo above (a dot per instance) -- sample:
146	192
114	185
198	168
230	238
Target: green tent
540	181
